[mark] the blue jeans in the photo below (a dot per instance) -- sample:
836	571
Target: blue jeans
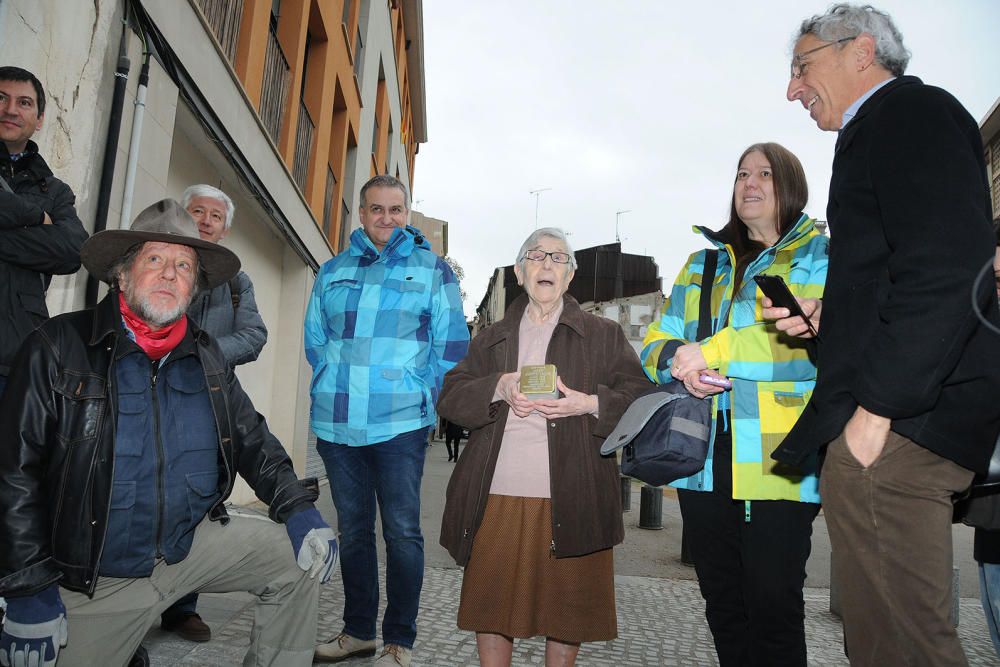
389	472
989	593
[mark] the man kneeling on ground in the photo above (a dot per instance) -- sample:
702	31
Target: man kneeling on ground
126	435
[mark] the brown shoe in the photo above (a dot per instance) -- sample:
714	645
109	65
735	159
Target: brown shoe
189	627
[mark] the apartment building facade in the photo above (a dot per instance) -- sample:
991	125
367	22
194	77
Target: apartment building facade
287	105
989	127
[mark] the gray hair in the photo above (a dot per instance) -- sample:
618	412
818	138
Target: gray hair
537	235
844	20
385	181
123	265
204	190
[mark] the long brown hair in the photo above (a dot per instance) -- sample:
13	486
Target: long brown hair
791	192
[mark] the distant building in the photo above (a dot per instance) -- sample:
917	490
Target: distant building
990	129
633	313
434	230
620	286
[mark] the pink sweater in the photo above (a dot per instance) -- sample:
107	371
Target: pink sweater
523	462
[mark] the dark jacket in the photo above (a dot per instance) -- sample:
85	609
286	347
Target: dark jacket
239	330
31	252
591	355
909	214
57	462
166	475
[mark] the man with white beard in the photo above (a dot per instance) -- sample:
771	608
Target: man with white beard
128	433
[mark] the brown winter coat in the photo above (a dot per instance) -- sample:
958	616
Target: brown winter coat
592	356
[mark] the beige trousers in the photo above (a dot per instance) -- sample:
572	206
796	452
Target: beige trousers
248	554
890	530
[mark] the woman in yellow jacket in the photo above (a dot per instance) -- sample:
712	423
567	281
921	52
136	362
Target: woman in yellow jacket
748	519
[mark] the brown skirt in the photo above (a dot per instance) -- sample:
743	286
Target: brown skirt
515	586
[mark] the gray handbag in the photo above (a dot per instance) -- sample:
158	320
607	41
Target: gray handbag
666	431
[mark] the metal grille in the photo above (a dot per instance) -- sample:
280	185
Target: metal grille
275	87
314	464
358	45
303	146
331	182
224	17
345	226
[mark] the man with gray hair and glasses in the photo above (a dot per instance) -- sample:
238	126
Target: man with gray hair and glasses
905	401
229	312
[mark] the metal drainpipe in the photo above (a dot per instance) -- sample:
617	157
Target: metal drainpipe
110	154
134	144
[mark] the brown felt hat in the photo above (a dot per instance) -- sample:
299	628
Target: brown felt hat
165	221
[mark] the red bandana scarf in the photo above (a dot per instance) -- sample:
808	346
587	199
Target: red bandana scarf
156	344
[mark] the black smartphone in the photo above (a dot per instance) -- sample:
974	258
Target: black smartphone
775	289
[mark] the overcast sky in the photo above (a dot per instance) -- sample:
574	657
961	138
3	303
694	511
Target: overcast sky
638	105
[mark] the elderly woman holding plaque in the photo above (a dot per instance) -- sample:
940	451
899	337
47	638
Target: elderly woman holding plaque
533	509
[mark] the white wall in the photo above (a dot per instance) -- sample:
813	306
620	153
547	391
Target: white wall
72	48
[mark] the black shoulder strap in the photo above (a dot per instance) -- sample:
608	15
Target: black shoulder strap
234	293
705	303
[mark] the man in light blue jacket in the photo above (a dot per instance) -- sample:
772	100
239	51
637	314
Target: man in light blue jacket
384	325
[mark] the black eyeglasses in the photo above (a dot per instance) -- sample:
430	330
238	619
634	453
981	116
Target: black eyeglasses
540	255
798	67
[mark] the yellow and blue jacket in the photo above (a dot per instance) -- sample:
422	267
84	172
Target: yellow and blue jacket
773	374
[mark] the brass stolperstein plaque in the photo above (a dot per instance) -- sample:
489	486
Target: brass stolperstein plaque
539	382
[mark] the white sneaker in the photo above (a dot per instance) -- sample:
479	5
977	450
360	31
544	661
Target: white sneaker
393	655
344	646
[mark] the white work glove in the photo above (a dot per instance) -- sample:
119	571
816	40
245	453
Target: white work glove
34	629
313	542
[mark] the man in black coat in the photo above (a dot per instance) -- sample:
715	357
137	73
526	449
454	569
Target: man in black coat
40	233
906	398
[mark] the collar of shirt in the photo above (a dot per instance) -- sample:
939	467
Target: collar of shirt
14	157
852	110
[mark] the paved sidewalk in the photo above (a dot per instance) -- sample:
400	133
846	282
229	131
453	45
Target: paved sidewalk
660	618
660	622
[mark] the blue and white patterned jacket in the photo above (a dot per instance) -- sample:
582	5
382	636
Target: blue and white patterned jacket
381	330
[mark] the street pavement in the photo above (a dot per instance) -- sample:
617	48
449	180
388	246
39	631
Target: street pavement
661	616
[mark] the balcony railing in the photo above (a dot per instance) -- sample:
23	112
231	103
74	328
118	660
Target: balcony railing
275	86
303	146
224	17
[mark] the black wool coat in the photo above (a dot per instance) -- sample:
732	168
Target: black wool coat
32	252
910	222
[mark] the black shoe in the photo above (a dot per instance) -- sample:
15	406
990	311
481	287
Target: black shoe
140	658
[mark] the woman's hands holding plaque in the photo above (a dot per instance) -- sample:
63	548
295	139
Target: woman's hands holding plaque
509	390
571	404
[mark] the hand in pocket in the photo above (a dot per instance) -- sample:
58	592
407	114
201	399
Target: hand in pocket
865	435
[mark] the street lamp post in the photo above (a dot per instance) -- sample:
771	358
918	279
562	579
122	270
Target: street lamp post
618	216
537	193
